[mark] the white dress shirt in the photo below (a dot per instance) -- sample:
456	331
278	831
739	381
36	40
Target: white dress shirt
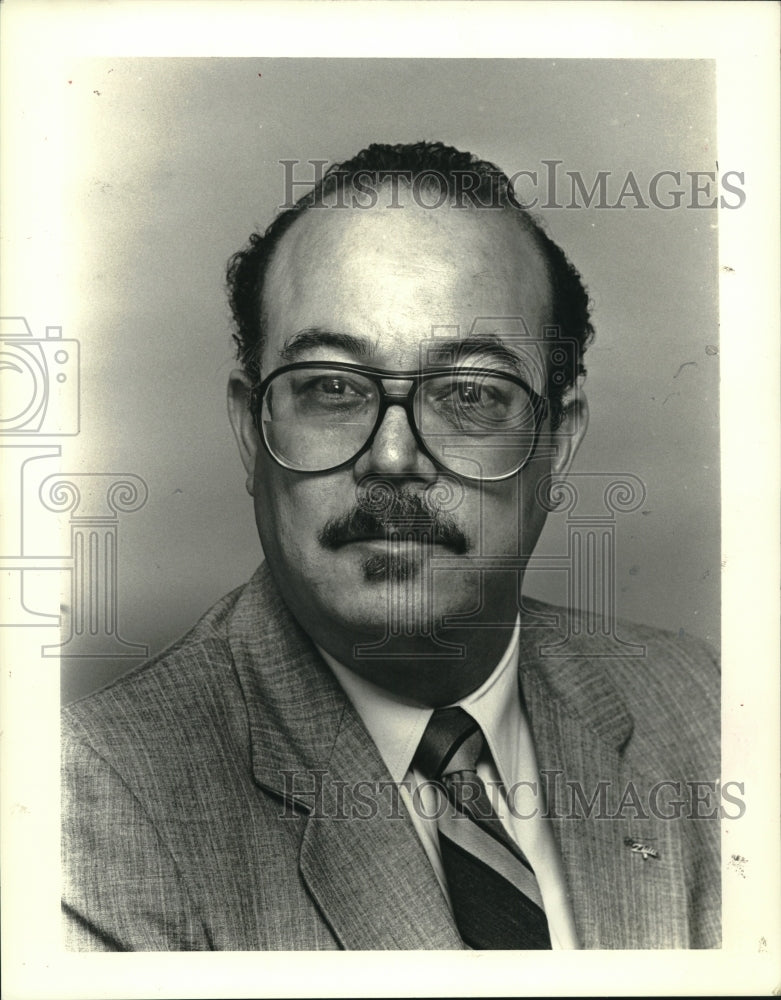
396	725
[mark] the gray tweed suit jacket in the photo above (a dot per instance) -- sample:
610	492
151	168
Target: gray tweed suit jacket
209	798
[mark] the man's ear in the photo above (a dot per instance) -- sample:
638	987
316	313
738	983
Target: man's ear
570	432
242	422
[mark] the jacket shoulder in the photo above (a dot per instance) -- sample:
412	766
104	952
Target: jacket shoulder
671	657
167	687
144	760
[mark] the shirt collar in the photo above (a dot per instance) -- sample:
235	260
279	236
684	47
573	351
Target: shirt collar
396	725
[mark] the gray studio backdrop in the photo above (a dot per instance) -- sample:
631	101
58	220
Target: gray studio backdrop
173	162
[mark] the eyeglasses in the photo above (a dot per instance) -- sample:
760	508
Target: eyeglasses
478	423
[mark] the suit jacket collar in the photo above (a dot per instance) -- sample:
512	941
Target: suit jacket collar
580	686
294	704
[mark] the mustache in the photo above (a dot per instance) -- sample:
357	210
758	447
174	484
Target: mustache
405	515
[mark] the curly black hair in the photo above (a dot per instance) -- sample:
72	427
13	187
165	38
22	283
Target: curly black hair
429	165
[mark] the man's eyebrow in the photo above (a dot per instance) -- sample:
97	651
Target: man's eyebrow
486	346
315	336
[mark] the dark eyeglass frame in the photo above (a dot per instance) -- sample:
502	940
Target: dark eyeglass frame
406	402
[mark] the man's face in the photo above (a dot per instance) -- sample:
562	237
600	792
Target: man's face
371	287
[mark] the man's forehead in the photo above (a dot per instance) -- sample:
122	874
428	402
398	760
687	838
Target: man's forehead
480	273
496	236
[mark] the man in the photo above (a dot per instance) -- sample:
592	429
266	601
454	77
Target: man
371	745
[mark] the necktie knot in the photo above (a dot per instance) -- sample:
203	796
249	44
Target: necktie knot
452	742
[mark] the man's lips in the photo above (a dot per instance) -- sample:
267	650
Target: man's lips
400	537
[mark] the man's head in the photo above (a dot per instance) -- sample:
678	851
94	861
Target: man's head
382	531
418	173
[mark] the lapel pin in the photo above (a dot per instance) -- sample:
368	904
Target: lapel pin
637	847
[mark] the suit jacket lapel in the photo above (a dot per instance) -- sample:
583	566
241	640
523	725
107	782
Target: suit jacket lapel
599	806
363	861
360	856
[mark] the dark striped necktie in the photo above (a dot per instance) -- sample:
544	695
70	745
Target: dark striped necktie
495	897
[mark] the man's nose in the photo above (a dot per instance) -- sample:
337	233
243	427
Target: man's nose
394	449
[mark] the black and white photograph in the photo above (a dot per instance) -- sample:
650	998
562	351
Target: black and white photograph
390	425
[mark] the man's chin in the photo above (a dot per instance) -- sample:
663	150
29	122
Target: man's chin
392	567
398	593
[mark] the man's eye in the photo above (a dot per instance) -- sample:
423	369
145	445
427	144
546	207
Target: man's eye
331	391
456	390
470	393
330	385
333	387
